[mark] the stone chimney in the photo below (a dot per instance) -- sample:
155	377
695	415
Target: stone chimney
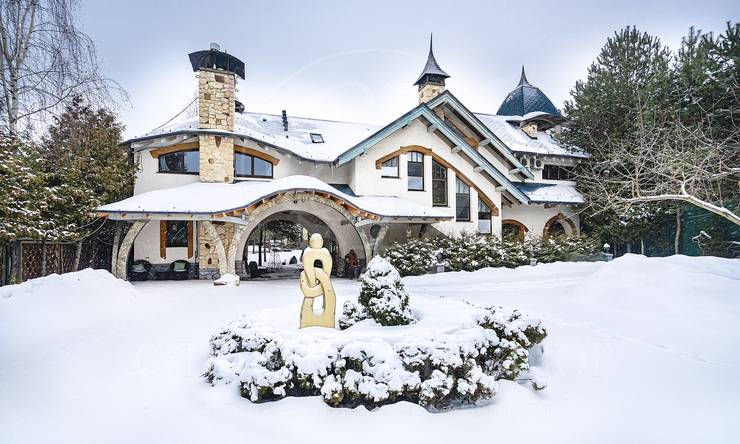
431	82
217	73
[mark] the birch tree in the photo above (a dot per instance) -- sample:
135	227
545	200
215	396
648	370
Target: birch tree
45	61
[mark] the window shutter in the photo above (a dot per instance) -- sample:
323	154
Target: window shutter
190	239
163	239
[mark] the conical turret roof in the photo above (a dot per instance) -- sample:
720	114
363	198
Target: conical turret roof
526	98
432	67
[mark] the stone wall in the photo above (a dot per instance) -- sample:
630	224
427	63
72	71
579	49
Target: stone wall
430	91
216	98
208	260
216	159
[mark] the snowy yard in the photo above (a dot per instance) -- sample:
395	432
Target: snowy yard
639	350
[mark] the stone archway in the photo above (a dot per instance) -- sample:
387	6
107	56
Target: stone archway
520	227
336	217
568	226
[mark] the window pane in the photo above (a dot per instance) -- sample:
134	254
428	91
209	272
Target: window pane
415	156
242	164
180	162
177	233
438	171
484	226
462	211
416	169
462	187
416	183
262	168
390	168
439	192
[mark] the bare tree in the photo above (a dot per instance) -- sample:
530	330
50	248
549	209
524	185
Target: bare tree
45	60
664	160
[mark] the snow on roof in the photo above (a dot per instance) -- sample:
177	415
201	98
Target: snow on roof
213	198
518	141
550	193
268	128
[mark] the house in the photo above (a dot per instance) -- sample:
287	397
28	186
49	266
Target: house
205	183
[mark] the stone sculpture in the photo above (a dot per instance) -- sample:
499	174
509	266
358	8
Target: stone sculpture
315	282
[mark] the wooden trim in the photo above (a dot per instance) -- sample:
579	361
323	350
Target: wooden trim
190	146
522	228
163	239
191	243
403	150
252	152
428	152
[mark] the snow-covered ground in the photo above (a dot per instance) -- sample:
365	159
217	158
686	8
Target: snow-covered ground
639	350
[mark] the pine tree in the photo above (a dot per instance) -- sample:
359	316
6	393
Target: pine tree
86	167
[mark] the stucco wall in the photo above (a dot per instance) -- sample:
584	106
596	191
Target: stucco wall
146	246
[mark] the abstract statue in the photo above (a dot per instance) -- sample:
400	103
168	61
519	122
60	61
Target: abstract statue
314	283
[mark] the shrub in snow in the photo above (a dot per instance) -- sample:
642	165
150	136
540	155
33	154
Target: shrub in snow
351	314
382	295
470	251
435	370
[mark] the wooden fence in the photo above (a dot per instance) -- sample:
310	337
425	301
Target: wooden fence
21	260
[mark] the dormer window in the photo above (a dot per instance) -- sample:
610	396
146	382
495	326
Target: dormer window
317	138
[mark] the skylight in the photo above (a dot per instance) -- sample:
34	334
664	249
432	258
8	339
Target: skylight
317	138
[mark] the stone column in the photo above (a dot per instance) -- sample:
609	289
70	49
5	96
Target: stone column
214	246
125	249
216	98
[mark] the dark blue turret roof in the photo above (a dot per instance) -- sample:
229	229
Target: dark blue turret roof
525	99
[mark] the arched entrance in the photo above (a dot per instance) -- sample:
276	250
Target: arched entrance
315	213
559	225
511	228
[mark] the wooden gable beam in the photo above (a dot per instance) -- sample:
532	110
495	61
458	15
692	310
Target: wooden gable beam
190	146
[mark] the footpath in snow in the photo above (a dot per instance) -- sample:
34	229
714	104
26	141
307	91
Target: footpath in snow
639	350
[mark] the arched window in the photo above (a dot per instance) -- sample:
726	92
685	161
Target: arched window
415	169
389	168
439	184
556	229
484	217
180	162
251	166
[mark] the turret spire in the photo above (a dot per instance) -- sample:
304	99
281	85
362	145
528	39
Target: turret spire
523	79
431	82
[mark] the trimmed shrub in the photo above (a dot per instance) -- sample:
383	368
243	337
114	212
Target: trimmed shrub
382	295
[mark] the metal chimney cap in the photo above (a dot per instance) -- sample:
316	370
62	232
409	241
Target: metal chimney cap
215	46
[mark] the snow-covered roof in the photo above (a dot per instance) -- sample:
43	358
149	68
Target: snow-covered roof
268	128
214	198
518	141
551	193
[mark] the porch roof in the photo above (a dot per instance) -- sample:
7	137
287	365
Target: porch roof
221	199
543	193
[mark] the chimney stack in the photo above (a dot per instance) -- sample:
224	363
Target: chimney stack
217	72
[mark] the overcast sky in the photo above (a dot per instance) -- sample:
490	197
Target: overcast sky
357	61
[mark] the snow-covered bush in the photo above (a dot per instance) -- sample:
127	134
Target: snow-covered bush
470	251
382	295
351	314
436	370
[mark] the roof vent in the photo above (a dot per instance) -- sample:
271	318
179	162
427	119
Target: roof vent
215	47
285	120
238	107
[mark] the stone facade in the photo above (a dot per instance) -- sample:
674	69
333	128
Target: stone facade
216	158
216	111
430	91
208	260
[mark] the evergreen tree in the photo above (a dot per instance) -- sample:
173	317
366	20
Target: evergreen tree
86	165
